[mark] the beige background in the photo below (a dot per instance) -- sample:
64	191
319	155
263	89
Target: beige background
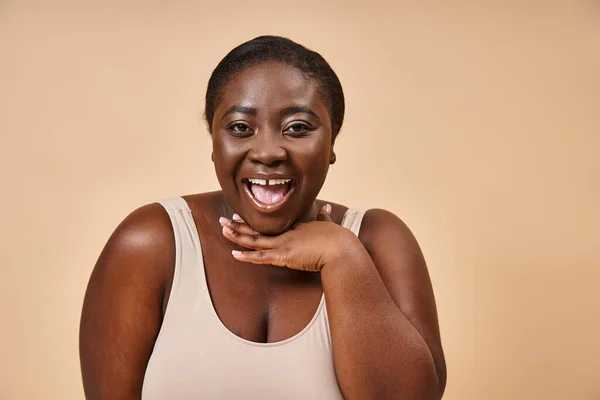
477	123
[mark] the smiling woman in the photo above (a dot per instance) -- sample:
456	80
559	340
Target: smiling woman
271	122
261	290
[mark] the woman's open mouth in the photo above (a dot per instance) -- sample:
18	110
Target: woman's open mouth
269	194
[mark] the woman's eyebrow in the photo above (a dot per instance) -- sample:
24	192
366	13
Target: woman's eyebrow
283	113
298	109
241	110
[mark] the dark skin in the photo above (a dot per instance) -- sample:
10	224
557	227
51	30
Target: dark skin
271	121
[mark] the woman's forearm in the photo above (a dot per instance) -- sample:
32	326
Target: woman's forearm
377	352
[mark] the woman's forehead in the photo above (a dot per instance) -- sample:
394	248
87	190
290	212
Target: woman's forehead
271	85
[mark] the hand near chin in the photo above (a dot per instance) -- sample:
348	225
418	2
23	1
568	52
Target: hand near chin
307	246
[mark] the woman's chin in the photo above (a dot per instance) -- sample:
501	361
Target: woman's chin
269	225
270	228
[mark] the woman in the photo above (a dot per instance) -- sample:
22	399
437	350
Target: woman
261	291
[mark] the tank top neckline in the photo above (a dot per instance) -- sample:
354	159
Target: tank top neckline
213	312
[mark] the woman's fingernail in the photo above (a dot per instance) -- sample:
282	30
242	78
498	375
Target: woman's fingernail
236	252
227	229
237	218
223	221
328	208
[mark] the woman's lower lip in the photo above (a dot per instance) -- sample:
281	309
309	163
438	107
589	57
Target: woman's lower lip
268	207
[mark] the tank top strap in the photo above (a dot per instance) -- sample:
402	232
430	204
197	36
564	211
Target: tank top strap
188	274
184	227
353	219
174	203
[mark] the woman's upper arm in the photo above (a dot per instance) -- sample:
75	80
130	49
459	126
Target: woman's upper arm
402	267
122	309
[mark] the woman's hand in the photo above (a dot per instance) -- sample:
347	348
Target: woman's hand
307	246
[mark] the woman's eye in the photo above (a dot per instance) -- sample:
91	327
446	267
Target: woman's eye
298	128
239	129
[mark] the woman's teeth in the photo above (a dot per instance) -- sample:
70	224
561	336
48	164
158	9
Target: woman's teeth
269	191
271	181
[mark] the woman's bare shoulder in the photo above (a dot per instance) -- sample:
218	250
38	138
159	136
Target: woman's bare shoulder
146	234
146	229
122	309
142	245
378	222
151	226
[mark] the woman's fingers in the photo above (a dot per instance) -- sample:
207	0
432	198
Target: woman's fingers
270	257
237	225
239	232
242	234
325	213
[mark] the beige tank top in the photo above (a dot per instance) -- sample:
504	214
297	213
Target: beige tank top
196	357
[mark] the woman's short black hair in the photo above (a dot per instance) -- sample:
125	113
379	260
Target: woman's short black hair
283	50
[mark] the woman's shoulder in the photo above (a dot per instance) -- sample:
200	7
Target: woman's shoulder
381	227
144	226
159	210
144	236
137	259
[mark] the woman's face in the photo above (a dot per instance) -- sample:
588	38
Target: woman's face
271	145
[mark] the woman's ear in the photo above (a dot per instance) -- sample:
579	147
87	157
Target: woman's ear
332	157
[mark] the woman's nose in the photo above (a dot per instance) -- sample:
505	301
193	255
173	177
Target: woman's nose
267	150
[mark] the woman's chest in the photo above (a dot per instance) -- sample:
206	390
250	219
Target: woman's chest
259	303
